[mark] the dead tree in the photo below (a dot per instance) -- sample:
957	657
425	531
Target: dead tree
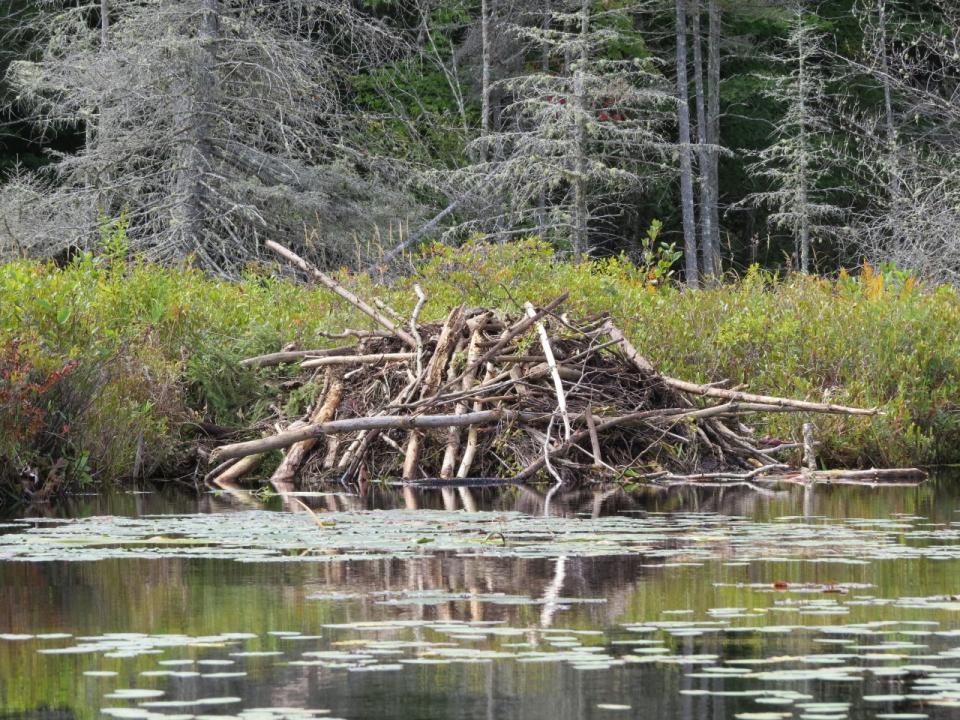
713	128
684	149
214	125
708	263
909	161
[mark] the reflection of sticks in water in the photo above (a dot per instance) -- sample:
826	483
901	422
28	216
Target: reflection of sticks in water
730	483
556	476
466	497
236	493
552	592
297	502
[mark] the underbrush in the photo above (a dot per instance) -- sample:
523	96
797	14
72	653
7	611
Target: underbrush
153	358
110	370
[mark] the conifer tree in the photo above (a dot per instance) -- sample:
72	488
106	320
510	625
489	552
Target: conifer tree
801	156
579	130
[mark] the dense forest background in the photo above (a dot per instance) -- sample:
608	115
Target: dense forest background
705	134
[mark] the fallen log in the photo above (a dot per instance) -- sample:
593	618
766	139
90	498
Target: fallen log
292	356
769	400
711	390
483	417
382	422
375	359
287	471
877	475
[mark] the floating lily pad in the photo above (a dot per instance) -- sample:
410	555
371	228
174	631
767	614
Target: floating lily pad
133	694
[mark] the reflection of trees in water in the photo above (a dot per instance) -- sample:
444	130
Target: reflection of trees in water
40	714
165	589
612	577
202	595
210	596
584	500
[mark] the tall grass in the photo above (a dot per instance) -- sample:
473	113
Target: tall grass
118	363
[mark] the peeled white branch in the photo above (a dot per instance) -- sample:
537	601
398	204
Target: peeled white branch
373	359
382	422
335	287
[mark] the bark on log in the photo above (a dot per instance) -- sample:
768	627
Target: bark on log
552	365
735	395
517	329
594	438
382	422
298	452
446	342
874	475
237	470
473	352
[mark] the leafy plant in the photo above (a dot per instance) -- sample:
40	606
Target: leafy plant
658	258
113	237
24	392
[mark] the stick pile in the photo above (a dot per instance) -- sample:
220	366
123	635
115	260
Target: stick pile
483	395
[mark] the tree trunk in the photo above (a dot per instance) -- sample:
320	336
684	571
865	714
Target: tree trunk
703	154
893	185
194	118
94	129
803	187
713	128
580	240
485	68
686	166
104	23
804	234
544	68
545	26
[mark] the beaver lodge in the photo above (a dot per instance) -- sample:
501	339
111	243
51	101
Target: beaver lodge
487	397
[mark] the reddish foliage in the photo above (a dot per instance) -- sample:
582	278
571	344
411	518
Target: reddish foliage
22	388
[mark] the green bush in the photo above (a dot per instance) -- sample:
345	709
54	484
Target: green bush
153	352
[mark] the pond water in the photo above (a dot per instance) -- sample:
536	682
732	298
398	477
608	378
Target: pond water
688	603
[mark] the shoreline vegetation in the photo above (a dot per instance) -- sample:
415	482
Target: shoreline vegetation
474	401
114	370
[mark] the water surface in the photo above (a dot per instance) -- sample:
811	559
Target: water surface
836	603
